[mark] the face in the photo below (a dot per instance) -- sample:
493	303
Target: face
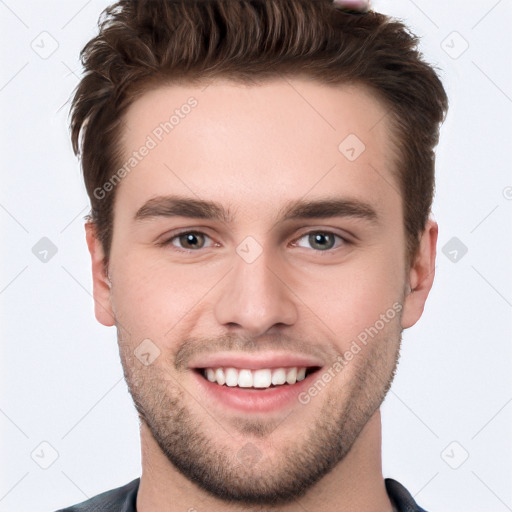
261	230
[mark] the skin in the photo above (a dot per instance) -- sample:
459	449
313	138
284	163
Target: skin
253	149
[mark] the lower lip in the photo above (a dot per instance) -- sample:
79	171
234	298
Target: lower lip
254	400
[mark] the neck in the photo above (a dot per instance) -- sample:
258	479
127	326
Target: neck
356	483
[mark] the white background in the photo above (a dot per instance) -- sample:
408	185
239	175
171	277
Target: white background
61	379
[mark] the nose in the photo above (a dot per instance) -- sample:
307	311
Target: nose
255	296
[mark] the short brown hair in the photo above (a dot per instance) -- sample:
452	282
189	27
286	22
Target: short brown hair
146	43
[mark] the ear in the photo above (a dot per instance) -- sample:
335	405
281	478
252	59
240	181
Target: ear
100	281
421	276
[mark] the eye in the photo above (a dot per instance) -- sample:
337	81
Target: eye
187	240
322	240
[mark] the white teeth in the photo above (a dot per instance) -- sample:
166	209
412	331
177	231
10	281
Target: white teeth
245	378
219	376
291	376
262	378
279	376
231	377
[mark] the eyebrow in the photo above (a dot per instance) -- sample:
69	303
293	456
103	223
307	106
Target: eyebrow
178	206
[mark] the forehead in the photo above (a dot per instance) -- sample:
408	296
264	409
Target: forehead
259	144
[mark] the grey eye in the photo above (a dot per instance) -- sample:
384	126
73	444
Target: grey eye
320	240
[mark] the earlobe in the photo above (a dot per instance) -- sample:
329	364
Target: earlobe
100	280
421	276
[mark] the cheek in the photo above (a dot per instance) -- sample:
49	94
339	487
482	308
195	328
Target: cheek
352	296
153	294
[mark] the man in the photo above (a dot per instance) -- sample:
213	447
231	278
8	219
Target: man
261	175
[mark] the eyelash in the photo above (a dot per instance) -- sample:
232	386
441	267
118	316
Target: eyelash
169	241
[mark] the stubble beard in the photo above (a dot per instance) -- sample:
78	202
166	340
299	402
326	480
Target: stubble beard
258	478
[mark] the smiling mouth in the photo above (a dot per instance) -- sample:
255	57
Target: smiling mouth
256	380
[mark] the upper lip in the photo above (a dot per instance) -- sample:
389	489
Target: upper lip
254	362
